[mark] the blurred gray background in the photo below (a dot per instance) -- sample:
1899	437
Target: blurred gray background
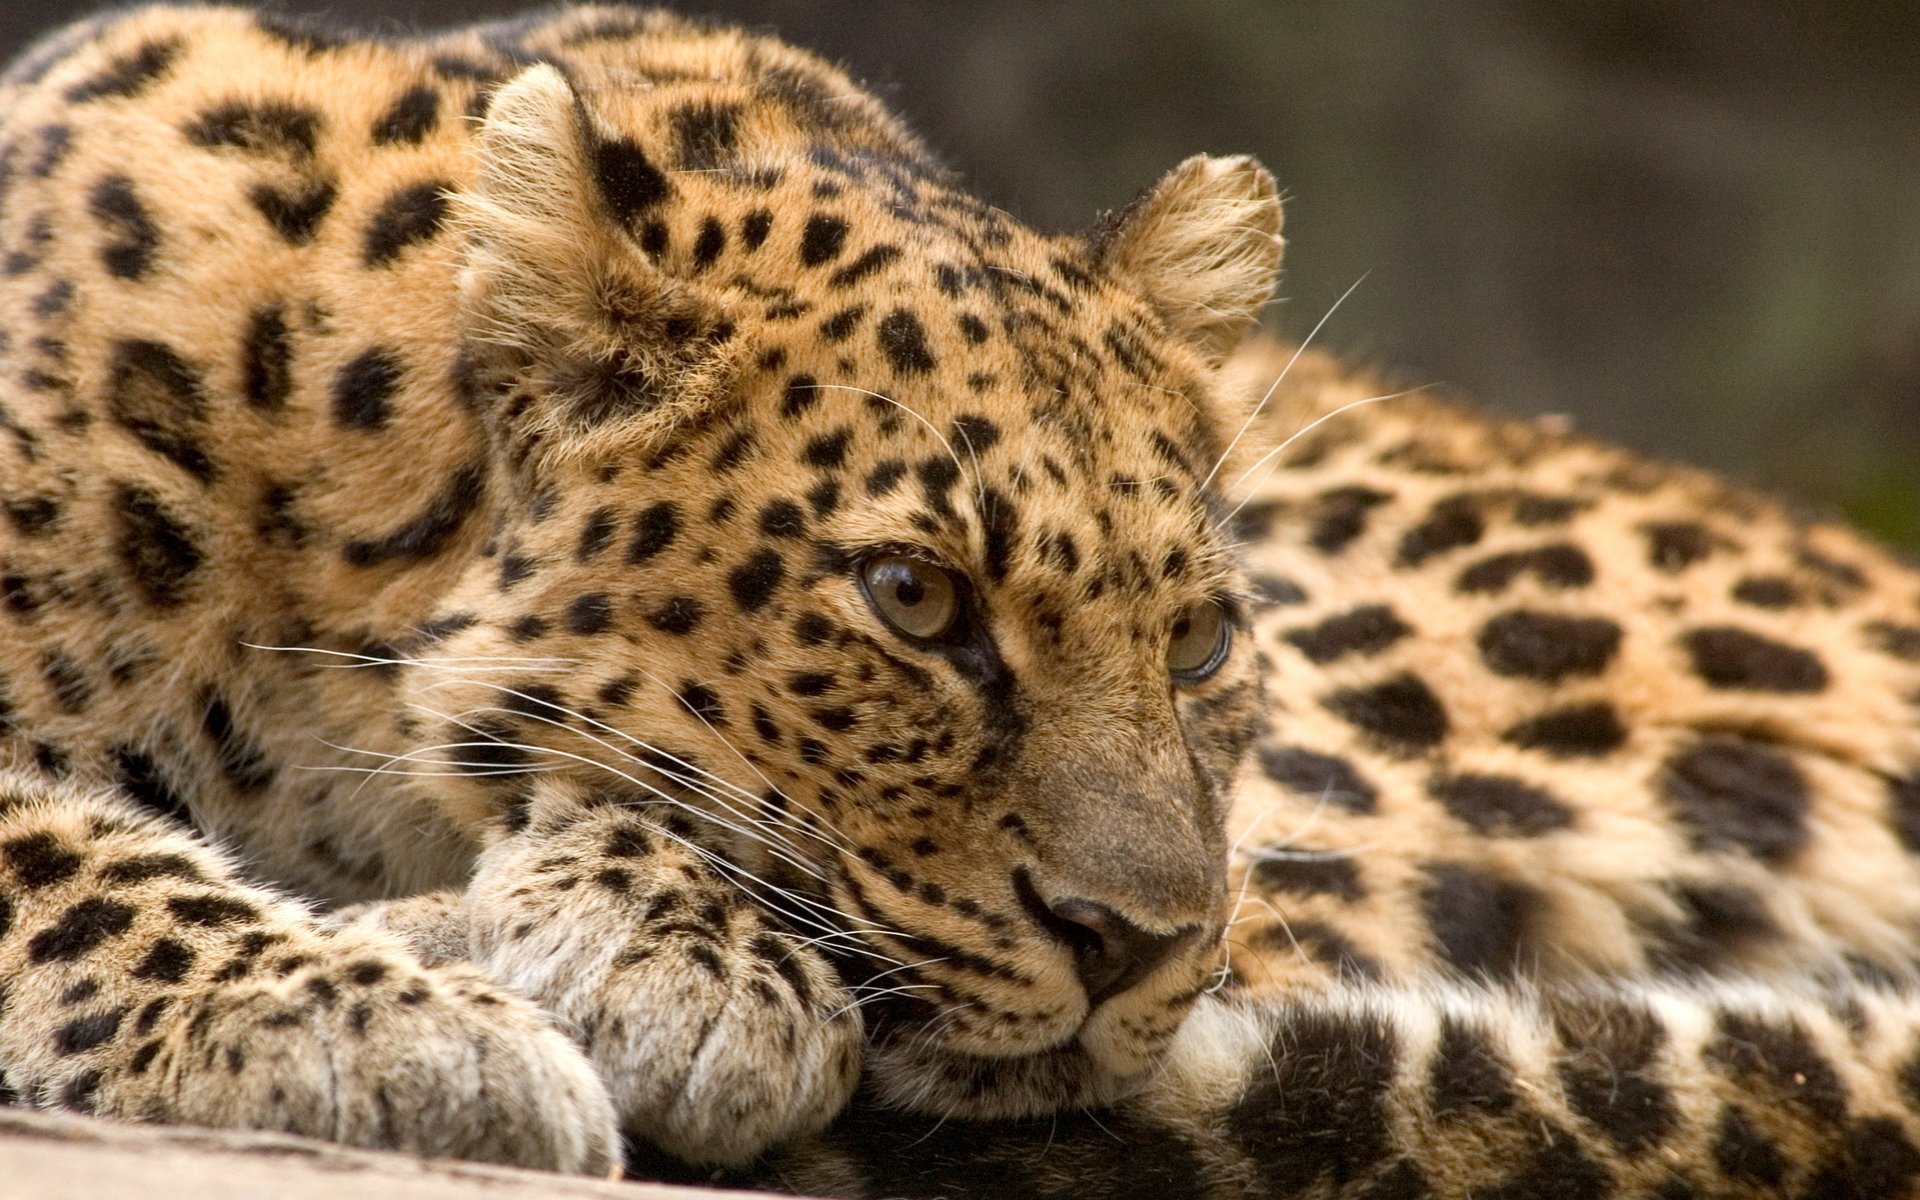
1694	226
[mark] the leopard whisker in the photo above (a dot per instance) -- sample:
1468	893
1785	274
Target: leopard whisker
804	941
1285	927
1281	378
692	786
1266	459
1306	824
509	662
876	995
979	485
1272	852
905	966
1246	1018
422	752
478	770
755	816
936	1128
1088	1112
777	848
1282	855
1267	904
757	801
1240	899
1280	851
389	770
1225	971
858	935
713	860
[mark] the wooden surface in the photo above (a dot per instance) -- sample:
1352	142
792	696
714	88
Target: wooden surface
50	1156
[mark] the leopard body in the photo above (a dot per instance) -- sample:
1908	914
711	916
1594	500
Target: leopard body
448	703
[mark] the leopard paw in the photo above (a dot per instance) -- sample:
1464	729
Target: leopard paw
370	1050
717	1035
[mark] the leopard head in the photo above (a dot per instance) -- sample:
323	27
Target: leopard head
879	544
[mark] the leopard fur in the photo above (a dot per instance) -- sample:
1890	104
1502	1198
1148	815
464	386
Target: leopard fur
1531	919
444	703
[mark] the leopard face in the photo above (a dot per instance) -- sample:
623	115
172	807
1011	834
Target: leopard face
876	533
687	441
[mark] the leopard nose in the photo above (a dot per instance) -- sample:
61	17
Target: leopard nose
1110	953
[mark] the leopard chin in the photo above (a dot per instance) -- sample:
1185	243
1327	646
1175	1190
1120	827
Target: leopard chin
1065	1060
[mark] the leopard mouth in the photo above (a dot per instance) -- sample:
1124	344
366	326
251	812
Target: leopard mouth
1014	1063
1053	1005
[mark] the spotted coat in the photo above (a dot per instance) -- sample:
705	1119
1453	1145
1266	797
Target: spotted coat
465	506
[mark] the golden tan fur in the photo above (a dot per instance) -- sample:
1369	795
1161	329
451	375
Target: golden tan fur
447	474
511	486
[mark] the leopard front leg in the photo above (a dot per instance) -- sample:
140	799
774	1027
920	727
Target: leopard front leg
141	978
717	1034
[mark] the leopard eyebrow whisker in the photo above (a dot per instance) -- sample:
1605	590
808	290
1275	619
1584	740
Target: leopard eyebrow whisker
1278	380
1266	459
978	483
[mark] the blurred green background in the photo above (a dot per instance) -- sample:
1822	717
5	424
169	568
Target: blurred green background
1693	226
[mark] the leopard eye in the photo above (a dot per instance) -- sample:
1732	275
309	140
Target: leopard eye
1201	637
915	597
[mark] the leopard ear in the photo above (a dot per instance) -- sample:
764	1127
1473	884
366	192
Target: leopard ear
580	342
1204	245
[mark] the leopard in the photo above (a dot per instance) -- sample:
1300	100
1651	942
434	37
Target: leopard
573	599
1574	856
